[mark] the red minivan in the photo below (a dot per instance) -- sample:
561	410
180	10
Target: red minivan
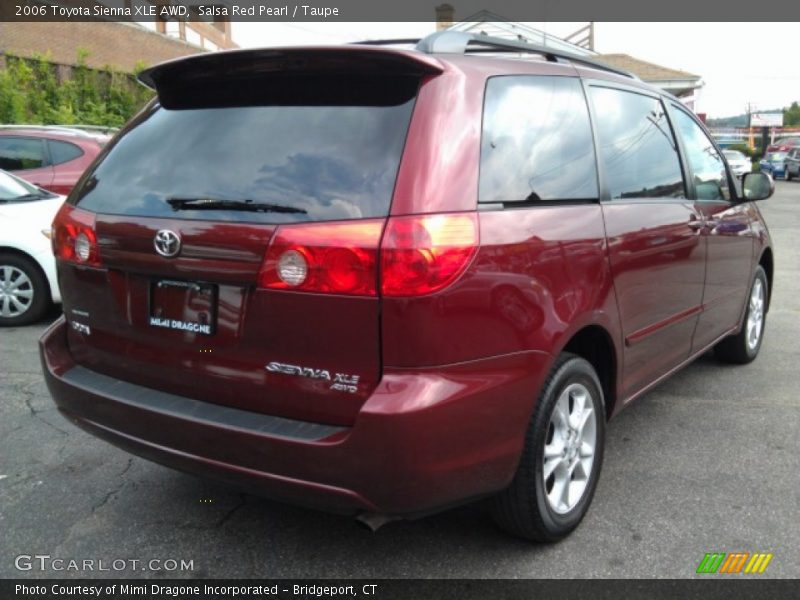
384	281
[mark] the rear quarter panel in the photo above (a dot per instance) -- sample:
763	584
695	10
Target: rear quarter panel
540	275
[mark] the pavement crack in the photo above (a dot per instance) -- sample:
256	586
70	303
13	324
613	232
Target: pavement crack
36	413
28	400
227	516
49	424
127	467
108	497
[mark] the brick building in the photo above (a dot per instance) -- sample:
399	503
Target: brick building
120	45
117	45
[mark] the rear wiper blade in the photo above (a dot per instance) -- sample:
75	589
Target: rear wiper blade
222	204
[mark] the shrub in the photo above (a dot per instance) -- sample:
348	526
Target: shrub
31	93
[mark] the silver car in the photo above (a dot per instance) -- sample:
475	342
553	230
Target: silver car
792	162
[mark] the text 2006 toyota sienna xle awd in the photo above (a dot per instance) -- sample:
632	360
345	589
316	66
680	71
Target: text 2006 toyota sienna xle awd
382	282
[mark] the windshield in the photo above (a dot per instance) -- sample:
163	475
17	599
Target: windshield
336	159
13	188
776	156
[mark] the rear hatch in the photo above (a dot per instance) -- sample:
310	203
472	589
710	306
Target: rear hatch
244	157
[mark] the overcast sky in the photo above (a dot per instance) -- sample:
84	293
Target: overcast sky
739	62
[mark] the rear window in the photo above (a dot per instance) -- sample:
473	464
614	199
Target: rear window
776	155
62	152
304	147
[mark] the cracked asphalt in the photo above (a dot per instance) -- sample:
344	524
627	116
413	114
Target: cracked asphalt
708	461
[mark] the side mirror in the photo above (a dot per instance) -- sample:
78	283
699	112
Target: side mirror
757	186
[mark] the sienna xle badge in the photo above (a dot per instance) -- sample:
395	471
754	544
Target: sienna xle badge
384	281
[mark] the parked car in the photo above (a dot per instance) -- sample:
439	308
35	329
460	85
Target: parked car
774	163
784	144
50	157
738	162
792	162
28	284
273	276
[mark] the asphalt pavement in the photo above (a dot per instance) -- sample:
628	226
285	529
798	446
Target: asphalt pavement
709	461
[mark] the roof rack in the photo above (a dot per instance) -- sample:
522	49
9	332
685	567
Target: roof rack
459	42
103	129
78	130
388	42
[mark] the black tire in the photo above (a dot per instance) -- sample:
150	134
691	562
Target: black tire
523	509
40	301
735	348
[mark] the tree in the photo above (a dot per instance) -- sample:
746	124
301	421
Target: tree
791	115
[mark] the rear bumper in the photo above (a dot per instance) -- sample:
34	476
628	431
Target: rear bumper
425	439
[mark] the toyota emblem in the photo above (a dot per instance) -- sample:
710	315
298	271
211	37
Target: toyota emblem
167	243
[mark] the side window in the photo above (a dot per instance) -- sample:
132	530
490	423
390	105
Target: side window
18	154
708	168
536	142
62	152
638	150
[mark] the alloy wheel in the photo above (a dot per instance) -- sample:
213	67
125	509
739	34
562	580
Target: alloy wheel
569	448
755	316
16	291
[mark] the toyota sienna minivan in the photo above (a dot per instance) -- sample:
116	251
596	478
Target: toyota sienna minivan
383	281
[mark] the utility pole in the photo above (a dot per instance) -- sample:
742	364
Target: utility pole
750	140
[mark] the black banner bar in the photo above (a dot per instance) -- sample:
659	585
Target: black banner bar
397	11
396	589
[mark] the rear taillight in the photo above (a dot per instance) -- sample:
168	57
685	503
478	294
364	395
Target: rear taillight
419	255
334	258
74	237
423	254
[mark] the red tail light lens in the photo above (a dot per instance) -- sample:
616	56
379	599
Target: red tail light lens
335	258
424	254
74	237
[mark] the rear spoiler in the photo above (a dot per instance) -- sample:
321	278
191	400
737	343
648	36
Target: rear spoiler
234	65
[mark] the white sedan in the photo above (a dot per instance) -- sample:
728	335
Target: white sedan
28	284
738	162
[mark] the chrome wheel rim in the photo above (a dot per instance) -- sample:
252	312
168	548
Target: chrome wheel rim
569	448
16	291
755	316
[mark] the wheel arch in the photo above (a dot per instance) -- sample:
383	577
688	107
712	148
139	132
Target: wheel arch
767	263
595	344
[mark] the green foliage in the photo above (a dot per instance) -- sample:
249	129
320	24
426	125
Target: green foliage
753	154
791	115
30	92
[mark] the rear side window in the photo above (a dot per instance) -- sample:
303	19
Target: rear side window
537	141
298	151
636	145
18	153
61	152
